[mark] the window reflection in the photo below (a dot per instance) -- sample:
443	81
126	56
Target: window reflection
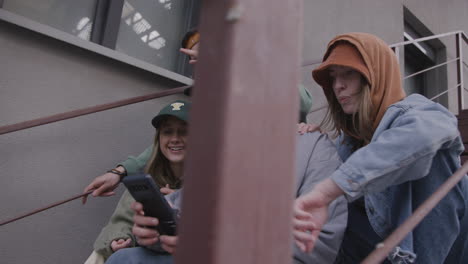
71	16
149	30
152	30
83	28
142	27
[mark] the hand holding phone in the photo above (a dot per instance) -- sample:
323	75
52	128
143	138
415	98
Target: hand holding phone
144	190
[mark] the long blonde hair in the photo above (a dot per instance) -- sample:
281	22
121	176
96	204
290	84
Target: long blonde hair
159	167
359	124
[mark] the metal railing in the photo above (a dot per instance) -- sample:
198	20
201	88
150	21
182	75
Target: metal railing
459	37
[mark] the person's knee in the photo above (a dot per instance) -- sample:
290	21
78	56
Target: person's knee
120	256
128	255
138	255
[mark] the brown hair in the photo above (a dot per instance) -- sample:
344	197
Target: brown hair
159	167
359	124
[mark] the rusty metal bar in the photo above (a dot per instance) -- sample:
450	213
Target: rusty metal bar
383	249
238	198
85	111
45	208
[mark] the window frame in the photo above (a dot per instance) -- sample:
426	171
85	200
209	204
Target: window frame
101	43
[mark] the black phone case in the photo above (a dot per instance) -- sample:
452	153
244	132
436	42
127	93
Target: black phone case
144	190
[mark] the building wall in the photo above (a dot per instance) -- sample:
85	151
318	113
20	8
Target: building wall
442	17
40	76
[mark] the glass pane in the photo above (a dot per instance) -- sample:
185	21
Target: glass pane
153	30
72	16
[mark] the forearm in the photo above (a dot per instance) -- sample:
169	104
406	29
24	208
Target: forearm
327	191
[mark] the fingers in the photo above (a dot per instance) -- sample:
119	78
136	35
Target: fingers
169	243
137	208
303	225
103	185
300	213
121	243
189	52
106	194
169	240
145	220
84	199
192	61
305	240
300	245
169	249
312	128
166	190
145	236
106	184
87	189
144	233
303	128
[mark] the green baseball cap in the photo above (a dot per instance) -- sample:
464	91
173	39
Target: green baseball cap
179	109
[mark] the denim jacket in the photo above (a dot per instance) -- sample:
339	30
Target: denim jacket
414	150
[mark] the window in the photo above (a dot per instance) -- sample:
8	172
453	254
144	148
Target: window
71	16
144	32
149	30
420	56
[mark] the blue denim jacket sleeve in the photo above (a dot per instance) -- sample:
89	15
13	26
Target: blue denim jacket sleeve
402	148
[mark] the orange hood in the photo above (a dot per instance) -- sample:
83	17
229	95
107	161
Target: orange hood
383	72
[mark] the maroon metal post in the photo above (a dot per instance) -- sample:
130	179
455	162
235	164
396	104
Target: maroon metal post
240	166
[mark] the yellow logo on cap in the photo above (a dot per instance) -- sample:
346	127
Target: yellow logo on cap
176	106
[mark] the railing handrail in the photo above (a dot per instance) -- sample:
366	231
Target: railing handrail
88	110
430	68
384	248
404	43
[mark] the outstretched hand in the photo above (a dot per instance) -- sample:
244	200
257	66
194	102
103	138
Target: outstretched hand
311	213
104	185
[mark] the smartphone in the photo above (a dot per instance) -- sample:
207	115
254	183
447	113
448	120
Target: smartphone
145	191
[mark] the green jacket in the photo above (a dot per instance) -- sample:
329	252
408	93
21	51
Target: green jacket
121	222
119	226
136	164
